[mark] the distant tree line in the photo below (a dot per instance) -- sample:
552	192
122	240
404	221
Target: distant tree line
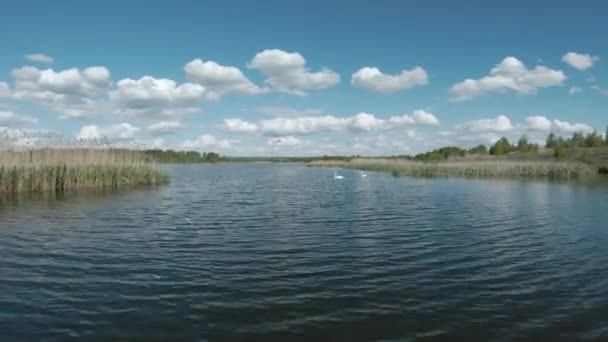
503	146
171	156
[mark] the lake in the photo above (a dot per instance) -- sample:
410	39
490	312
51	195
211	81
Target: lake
285	252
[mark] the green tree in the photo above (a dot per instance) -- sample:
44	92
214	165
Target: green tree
441	154
593	139
502	146
606	136
524	146
577	140
551	141
479	149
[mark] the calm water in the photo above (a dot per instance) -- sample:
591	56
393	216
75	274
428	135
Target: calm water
285	252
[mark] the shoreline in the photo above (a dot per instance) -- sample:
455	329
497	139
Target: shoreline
488	168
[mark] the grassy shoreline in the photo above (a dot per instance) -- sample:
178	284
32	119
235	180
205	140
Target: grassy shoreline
474	168
66	170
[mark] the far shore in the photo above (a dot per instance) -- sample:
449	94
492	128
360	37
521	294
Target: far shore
472	167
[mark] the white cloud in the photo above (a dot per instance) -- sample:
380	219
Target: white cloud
542	123
568	128
422	117
575	90
150	97
239	126
361	122
87	82
579	61
499	124
538	123
284	141
5	91
164	128
287	72
365	122
208	141
302	125
40	58
373	79
10	119
70	92
419	117
220	79
510	74
118	132
287	112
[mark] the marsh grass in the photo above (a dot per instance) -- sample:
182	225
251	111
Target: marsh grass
469	168
65	170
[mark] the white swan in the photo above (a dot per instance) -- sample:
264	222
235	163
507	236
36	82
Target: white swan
363	174
337	176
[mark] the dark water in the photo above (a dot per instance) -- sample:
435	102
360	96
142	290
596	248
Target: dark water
285	252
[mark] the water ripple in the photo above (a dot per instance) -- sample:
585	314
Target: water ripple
259	252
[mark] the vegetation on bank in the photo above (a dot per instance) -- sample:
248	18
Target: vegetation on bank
470	168
64	170
171	156
561	158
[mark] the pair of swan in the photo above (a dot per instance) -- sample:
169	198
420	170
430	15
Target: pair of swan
337	176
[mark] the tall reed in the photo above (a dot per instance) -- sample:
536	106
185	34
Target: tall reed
469	168
63	170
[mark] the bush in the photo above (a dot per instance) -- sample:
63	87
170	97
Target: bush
502	146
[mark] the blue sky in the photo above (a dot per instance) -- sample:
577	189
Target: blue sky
297	78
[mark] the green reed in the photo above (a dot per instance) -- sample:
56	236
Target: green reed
470	168
64	170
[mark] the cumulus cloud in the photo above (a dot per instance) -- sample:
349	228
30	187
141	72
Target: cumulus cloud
40	58
568	128
118	132
220	79
542	123
284	141
150	97
499	124
287	72
538	123
303	125
163	128
575	90
361	122
206	141
509	75
373	79
287	112
71	92
239	126
10	119
419	117
579	61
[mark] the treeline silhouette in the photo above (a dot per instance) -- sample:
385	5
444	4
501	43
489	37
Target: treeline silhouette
171	156
561	147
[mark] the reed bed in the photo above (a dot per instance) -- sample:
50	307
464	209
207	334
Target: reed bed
64	170
471	168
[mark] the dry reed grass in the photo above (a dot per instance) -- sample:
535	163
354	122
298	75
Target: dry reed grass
63	170
469	168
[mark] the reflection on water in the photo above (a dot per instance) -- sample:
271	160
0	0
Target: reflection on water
265	251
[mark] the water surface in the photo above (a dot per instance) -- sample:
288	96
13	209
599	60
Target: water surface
285	252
